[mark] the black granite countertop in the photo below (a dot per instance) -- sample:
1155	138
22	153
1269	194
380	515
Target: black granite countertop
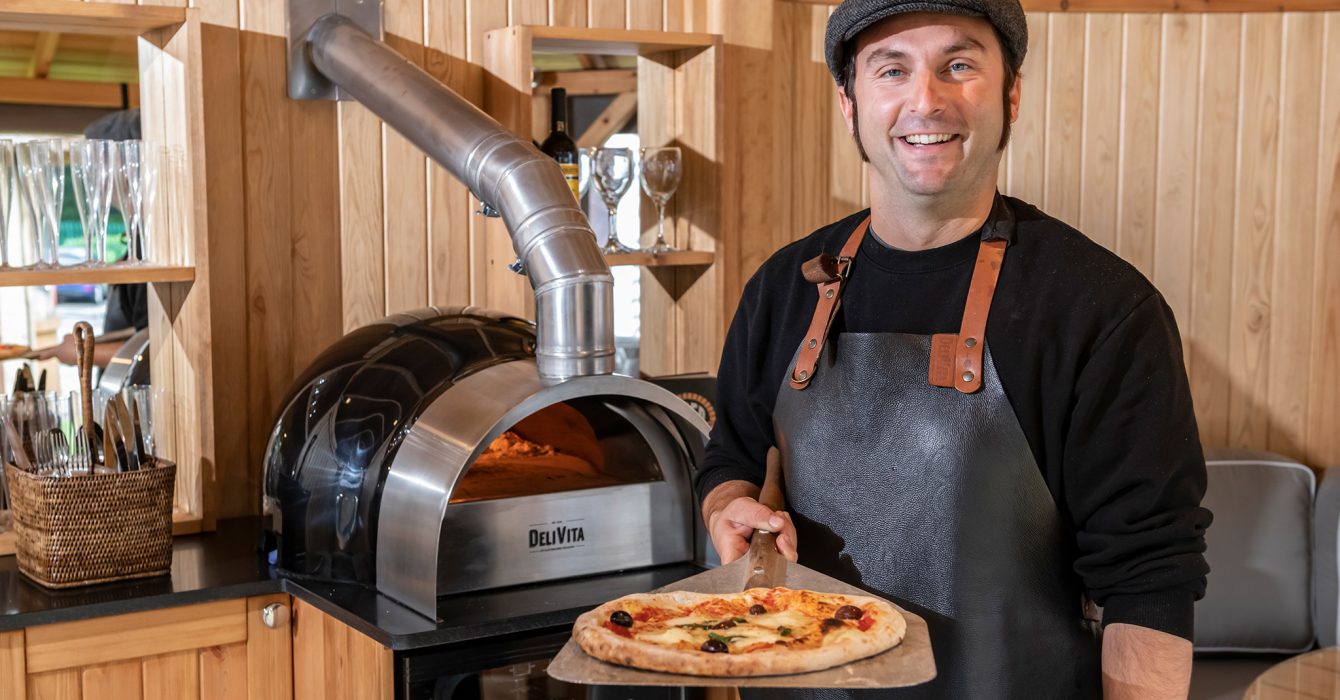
210	566
227	564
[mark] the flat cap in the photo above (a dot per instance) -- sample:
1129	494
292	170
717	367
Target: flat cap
854	16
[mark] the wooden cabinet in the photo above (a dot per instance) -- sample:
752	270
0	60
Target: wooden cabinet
333	661
222	650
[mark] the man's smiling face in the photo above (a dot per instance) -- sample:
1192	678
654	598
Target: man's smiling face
929	89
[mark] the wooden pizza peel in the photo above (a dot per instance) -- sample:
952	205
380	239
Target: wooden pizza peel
909	663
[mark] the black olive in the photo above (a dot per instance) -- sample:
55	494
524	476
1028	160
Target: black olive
723	625
715	646
831	624
757	609
621	618
848	612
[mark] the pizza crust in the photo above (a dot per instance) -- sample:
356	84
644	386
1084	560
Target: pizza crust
590	633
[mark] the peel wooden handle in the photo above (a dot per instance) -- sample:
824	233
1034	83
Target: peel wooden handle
772	494
767	567
84	348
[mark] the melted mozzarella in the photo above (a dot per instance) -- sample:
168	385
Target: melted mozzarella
669	636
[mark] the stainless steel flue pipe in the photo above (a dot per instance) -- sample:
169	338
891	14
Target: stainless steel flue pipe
573	285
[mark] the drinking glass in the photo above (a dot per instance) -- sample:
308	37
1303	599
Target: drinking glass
147	399
9	197
583	172
91	174
153	159
612	170
130	195
661	172
42	170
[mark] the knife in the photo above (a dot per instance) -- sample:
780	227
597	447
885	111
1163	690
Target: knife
16	446
123	430
137	428
113	440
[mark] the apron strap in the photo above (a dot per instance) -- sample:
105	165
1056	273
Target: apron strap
956	359
834	275
953	363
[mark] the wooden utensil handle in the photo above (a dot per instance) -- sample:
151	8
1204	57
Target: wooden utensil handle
772	495
84	348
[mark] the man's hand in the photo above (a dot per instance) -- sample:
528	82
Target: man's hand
1144	664
65	352
733	513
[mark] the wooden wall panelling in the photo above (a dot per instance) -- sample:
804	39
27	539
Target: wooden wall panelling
1212	279
268	174
120	680
1323	408
1028	148
606	14
507	95
567	13
657	113
1175	193
1065	116
1293	292
13	671
223	672
482	19
701	317
672	15
404	179
55	685
1101	129
448	199
174	676
528	12
315	156
1254	229
362	247
645	14
269	651
1139	141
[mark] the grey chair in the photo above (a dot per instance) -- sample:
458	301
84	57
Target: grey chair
1272	588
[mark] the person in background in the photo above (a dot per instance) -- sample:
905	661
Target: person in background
990	473
127	304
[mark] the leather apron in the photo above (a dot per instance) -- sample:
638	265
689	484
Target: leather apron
930	496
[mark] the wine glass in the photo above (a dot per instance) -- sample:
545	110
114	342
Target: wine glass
9	197
91	175
612	170
41	166
583	172
661	172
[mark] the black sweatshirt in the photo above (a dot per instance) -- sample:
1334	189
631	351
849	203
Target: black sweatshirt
1089	356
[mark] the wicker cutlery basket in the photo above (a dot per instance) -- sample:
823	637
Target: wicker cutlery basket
80	530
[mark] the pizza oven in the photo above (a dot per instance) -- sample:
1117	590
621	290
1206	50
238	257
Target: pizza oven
423	455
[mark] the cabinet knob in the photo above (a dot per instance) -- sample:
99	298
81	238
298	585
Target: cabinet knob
274	615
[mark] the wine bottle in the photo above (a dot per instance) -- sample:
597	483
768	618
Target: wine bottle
559	145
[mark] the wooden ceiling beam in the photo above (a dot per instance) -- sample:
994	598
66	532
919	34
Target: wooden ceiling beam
589	82
610	121
44	52
61	93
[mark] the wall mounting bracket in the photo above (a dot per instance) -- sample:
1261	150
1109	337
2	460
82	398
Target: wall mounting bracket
305	82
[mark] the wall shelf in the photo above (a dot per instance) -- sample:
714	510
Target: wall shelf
87	17
683	258
97	275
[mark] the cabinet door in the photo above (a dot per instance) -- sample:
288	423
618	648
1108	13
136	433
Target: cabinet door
223	650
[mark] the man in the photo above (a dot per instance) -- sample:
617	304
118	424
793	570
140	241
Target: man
981	413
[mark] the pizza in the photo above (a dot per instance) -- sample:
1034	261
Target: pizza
8	351
760	632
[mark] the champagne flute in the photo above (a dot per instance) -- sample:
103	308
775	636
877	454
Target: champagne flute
91	172
42	169
661	172
612	171
130	195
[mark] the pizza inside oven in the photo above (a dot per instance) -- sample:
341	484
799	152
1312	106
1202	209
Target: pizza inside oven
757	632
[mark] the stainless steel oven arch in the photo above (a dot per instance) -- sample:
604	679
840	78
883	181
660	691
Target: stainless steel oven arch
452	432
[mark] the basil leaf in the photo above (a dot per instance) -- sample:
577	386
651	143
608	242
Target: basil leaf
784	631
723	639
